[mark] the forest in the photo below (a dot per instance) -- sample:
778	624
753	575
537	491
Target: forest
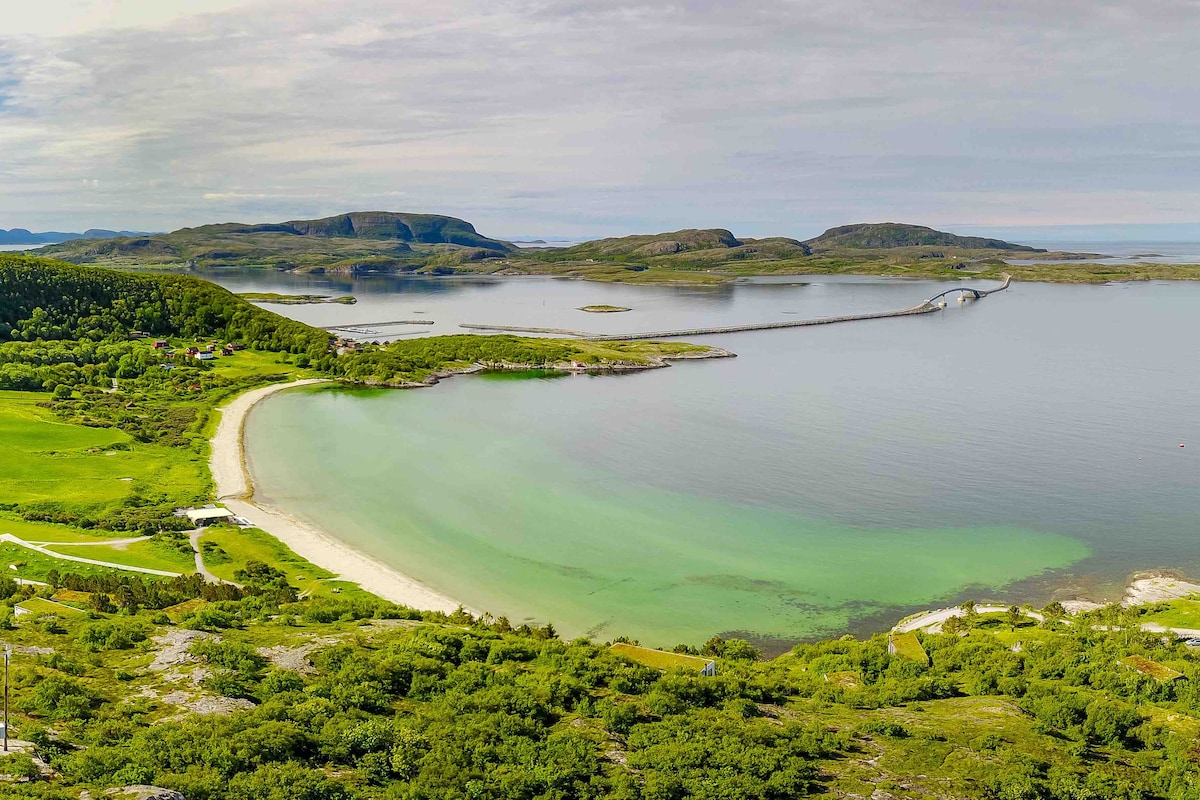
47	300
393	703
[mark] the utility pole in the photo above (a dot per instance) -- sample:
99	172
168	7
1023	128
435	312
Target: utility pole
7	656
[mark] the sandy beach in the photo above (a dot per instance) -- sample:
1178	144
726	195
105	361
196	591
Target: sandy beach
234	488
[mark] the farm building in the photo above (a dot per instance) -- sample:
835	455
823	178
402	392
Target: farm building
205	356
207	516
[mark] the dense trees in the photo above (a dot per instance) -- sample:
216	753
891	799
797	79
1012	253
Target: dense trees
478	710
48	300
414	360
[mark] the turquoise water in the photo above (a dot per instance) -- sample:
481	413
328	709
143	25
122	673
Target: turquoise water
828	479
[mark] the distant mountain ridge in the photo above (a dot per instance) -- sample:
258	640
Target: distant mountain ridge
351	243
885	235
383	225
23	236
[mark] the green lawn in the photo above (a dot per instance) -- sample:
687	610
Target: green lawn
148	554
39	605
49	461
1177	614
50	532
907	645
35	566
248	363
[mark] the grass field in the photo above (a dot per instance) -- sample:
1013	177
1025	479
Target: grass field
1177	614
252	363
48	461
907	645
39	605
35	566
148	554
49	532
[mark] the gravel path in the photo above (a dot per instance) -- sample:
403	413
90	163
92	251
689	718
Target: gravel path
194	538
8	537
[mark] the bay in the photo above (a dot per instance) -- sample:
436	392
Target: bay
827	479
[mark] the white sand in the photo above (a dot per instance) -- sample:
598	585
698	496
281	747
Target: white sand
234	489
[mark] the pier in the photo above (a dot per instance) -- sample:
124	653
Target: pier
368	328
927	307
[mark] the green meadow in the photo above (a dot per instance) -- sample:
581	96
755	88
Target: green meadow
47	461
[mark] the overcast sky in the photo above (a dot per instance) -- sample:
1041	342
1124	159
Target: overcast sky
584	117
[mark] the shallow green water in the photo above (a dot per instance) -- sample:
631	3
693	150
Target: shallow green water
827	479
501	520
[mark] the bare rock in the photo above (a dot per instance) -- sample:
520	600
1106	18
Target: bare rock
175	648
142	792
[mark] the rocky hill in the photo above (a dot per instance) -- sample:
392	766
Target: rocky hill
347	243
383	225
886	235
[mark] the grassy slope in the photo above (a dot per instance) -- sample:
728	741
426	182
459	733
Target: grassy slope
46	459
227	549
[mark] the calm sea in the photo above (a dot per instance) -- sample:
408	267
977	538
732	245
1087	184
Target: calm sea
828	479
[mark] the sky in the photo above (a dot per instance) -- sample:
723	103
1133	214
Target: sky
588	118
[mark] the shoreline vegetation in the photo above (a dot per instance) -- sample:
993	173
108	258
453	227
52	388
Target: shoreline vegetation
604	309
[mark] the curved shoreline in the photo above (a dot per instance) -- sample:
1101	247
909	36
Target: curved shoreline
234	488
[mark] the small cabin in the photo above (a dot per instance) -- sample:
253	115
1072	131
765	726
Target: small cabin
227	350
661	659
205	356
191	351
160	344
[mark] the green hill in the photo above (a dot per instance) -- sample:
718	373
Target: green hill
361	241
422	228
884	235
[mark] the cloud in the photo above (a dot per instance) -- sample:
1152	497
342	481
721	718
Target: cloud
775	117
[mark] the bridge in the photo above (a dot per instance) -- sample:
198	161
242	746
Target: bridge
975	294
927	307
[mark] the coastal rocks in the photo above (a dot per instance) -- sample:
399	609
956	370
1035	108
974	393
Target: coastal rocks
1158	588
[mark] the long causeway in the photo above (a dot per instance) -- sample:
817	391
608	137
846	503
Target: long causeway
928	307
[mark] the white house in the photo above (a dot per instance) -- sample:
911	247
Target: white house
207	516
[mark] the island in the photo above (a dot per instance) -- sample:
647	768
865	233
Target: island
604	309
